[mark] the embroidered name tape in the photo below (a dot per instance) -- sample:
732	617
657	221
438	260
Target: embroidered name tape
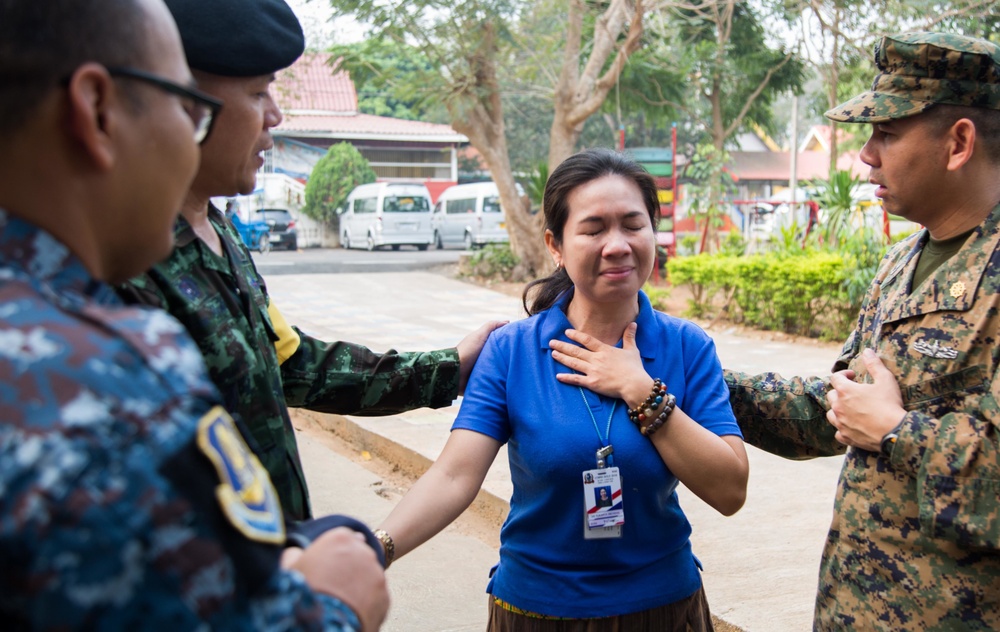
245	491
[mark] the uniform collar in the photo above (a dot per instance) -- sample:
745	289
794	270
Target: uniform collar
952	287
553	324
183	233
28	252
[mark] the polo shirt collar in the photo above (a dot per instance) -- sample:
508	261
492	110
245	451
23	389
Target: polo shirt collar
553	325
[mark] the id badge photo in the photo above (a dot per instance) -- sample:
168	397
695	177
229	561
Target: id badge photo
604	512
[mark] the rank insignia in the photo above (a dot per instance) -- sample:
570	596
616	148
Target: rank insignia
957	290
245	491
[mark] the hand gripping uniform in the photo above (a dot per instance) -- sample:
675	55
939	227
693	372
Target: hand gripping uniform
915	539
128	499
262	366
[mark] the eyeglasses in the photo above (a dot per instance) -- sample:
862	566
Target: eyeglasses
202	108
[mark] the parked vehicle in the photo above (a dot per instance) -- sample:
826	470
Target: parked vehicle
387	214
255	233
282	225
471	215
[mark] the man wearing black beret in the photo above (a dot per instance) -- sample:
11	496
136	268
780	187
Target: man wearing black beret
260	363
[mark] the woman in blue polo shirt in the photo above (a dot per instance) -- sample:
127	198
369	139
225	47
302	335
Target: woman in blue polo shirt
595	391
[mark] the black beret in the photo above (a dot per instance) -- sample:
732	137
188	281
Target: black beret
238	38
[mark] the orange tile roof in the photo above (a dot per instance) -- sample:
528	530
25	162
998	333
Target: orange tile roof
768	165
366	126
310	84
318	102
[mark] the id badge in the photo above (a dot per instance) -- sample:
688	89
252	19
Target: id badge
604	513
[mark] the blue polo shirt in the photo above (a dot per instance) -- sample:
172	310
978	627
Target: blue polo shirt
546	565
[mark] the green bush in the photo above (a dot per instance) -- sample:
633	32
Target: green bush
801	293
494	262
332	180
658	295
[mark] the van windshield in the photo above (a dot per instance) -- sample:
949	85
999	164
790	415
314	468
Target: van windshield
491	205
406	204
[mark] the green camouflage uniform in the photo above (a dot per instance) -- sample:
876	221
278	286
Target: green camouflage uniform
915	538
226	312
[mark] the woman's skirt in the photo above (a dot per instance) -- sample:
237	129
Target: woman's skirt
687	615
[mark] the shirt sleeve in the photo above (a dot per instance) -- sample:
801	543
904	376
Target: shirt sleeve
484	406
113	526
783	417
292	605
706	398
346	378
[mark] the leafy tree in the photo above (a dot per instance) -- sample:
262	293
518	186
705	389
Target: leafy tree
332	180
592	61
838	36
470	48
379	91
710	179
465	45
720	54
733	72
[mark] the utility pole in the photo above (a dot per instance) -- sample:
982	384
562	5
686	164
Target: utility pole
793	178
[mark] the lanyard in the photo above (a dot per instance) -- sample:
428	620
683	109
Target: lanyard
604	454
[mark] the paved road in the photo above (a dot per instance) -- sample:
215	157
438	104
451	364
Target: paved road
760	565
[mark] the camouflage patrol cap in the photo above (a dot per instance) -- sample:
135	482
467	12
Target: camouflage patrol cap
920	70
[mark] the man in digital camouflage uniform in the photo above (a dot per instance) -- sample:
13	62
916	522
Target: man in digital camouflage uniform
915	539
259	363
128	500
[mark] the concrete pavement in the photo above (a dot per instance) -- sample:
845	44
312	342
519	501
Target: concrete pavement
760	565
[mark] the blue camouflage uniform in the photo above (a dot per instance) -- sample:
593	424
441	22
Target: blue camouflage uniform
128	497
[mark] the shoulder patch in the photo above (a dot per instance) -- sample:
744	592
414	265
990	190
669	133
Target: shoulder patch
245	492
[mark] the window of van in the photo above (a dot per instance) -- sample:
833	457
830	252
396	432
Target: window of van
491	205
408	204
461	206
365	205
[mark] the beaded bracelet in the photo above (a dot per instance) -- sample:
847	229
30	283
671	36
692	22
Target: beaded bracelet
645	410
669	403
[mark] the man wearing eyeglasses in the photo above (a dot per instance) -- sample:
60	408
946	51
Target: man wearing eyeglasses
128	498
261	364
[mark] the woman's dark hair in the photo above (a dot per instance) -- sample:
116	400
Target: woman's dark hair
577	170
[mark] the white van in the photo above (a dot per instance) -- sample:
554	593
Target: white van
470	214
387	214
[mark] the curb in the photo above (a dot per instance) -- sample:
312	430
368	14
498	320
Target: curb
406	461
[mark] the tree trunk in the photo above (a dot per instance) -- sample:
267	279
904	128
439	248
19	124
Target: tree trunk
482	121
582	87
833	85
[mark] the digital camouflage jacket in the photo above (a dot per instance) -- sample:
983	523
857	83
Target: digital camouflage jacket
915	538
223	303
128	499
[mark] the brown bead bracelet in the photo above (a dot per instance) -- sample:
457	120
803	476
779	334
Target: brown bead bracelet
669	403
646	410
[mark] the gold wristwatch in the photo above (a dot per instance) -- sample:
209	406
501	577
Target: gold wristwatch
388	547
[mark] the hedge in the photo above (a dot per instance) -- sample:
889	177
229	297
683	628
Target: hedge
796	293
